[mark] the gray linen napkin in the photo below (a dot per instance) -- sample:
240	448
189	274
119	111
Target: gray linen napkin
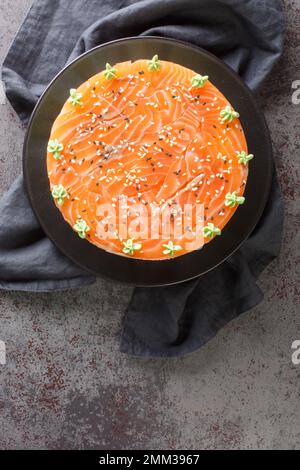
247	35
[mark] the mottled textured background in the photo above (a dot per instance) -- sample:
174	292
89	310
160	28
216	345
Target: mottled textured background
65	384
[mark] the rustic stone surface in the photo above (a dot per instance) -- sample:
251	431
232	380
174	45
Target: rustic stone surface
65	384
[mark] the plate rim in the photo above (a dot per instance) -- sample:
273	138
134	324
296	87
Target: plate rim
268	144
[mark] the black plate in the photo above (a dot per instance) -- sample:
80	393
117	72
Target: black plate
135	271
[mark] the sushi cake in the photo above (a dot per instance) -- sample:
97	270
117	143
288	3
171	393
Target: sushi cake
147	159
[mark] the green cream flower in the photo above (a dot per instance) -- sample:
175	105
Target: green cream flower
231	199
81	227
170	248
243	158
198	81
110	72
130	247
154	64
75	97
55	147
59	193
228	114
210	230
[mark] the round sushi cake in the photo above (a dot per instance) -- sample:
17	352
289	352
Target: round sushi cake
147	159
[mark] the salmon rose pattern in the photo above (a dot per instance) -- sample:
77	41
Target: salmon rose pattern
143	137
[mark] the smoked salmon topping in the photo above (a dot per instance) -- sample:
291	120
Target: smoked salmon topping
148	160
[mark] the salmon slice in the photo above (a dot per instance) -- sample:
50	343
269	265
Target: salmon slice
147	159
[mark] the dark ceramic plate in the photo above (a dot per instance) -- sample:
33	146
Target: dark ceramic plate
120	268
